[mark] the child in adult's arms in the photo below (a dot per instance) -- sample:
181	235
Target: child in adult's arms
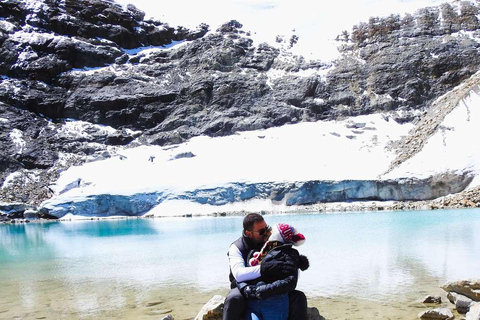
279	264
254	235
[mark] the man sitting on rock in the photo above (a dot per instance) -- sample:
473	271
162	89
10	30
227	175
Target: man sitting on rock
255	233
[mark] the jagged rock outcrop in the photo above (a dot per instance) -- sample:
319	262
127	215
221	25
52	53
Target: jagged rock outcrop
86	60
431	122
406	61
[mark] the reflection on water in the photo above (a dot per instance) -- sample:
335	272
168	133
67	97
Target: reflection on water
386	253
96	265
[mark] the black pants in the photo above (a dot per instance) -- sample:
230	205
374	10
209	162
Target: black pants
235	305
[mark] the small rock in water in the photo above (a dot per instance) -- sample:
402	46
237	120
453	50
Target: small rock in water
437	314
432	299
157	312
168	317
154	303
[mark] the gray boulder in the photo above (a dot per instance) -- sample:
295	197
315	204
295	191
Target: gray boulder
432	299
468	288
212	310
314	314
462	303
437	314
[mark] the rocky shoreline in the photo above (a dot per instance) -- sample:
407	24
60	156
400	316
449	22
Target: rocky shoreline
467	199
464	297
24	213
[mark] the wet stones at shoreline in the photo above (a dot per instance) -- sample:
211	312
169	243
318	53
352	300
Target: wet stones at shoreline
468	288
213	309
464	294
437	314
462	303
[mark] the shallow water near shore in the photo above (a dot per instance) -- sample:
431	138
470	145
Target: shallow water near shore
376	265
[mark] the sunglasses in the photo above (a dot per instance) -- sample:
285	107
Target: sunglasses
262	231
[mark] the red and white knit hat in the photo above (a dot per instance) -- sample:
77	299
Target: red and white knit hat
287	234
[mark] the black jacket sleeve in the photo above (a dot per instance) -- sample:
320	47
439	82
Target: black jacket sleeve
279	274
277	287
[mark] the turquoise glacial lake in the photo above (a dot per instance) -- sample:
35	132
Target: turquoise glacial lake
143	268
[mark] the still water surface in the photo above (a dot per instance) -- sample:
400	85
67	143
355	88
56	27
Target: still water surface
91	265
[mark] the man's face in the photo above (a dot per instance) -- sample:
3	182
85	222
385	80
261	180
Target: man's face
260	232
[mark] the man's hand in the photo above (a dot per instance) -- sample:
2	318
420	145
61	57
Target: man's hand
250	292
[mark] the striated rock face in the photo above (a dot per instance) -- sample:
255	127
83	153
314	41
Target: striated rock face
407	60
80	78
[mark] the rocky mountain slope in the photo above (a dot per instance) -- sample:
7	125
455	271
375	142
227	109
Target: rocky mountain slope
81	79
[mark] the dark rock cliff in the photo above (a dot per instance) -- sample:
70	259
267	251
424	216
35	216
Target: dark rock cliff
413	59
81	60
